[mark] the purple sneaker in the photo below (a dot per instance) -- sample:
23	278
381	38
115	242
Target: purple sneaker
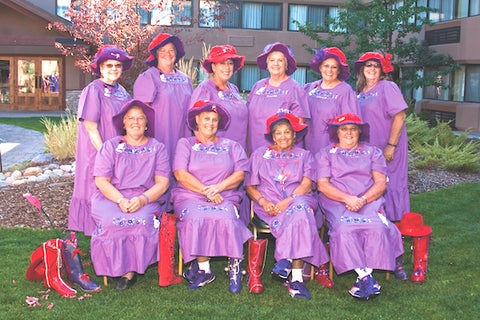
201	279
191	272
366	288
298	289
355	290
282	270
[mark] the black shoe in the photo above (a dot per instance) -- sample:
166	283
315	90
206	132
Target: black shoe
124	283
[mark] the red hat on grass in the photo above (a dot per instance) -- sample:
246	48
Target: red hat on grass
412	225
222	53
36	269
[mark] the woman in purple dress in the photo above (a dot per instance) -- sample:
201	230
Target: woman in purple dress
131	173
98	103
280	186
383	107
351	178
222	63
277	93
328	97
209	171
167	90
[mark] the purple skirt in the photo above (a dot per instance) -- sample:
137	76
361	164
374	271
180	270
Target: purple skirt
210	230
123	242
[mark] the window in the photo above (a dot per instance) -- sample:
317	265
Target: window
315	15
451	9
439	91
472	83
175	13
245	15
62	8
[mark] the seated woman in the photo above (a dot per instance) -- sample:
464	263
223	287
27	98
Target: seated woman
209	170
280	185
351	181
131	173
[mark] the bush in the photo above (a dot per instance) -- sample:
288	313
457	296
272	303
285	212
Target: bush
61	137
440	147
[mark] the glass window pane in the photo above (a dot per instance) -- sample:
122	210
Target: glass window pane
474	7
50	80
459	84
208	12
249	75
232	17
434	4
316	15
252	16
300	75
297	13
26	76
472	90
447	10
4	81
62	8
272	16
462	8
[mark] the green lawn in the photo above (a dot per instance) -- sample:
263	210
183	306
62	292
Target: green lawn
33	123
450	292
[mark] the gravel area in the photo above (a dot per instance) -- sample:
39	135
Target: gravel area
55	194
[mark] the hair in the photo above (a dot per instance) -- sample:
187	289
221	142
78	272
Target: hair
362	81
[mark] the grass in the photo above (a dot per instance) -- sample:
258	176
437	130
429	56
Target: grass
450	292
33	123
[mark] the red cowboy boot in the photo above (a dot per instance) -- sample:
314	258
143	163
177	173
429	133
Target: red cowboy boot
257	251
166	274
420	258
52	260
322	273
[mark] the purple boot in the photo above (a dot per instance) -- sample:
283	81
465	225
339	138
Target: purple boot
73	265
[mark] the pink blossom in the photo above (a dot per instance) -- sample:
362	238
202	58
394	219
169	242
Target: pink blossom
32	301
50	306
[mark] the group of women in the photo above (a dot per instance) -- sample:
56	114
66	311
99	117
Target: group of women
295	153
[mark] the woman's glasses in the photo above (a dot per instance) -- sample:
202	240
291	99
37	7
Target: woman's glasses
372	65
111	65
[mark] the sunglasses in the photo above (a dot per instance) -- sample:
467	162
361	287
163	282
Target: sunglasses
111	65
372	65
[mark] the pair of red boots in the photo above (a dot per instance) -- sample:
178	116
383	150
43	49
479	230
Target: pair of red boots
47	263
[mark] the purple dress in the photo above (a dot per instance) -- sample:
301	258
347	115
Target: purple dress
294	228
231	100
169	95
98	103
124	242
205	228
364	239
326	104
378	106
266	100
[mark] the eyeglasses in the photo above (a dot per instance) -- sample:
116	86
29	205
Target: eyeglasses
135	119
372	65
111	65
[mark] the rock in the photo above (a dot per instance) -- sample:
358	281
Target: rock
19	182
8	174
47	172
16	174
9	180
2	176
53	166
32	179
32	171
66	168
43	177
58	172
42	158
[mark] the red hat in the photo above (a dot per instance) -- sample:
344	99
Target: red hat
149	113
159	41
327	53
297	126
384	61
348	118
110	52
222	53
277	46
412	225
208	106
36	269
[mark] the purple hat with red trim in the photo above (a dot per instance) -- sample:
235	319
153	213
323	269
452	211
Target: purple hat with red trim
385	62
412	225
110	52
208	106
299	128
348	118
327	53
277	46
222	53
159	41
149	113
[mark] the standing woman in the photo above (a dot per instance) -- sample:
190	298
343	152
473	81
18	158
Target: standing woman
167	90
328	97
277	93
222	63
383	107
99	102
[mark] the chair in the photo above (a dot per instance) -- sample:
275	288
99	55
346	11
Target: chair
259	226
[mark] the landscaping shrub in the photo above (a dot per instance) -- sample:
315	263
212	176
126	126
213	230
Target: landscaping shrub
61	137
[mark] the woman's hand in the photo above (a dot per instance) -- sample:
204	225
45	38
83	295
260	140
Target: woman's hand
132	205
213	193
354	204
124	204
388	153
269	207
282	205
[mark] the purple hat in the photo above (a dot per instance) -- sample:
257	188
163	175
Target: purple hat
327	53
110	52
277	46
159	41
385	62
222	53
149	113
208	106
299	128
348	118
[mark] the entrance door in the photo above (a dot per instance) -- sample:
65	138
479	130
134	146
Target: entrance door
31	83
